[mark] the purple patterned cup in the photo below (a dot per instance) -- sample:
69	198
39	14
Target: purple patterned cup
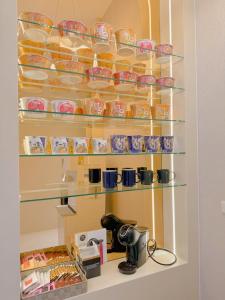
152	143
167	144
135	143
119	143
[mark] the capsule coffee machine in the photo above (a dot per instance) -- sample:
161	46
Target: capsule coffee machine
113	224
135	240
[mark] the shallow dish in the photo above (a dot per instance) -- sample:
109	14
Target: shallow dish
36	61
70	66
98	78
35	32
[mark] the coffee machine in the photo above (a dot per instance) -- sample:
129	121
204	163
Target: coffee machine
135	240
113	224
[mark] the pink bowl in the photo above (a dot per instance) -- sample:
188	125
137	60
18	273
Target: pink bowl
143	52
75	36
163	52
166	82
98	77
124	80
144	83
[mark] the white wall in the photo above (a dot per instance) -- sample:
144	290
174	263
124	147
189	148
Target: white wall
211	111
9	211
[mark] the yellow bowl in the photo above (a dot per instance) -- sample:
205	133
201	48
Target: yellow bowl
105	60
122	65
59	53
86	57
28	47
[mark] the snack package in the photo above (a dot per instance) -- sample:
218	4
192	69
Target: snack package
79	145
59	145
116	108
94	106
35	145
99	145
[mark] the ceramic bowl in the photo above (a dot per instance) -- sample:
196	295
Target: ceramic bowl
94	106
66	66
126	40
122	65
116	109
98	78
103	37
73	33
35	32
163	52
124	81
144	83
167	82
139	68
86	57
105	60
144	49
34	104
140	110
37	61
59	53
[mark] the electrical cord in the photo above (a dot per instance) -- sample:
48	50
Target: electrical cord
151	249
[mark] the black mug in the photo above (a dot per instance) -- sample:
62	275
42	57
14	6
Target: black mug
129	177
147	177
94	175
163	176
140	171
110	179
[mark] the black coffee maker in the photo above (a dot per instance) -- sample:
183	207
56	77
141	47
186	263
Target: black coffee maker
113	224
135	240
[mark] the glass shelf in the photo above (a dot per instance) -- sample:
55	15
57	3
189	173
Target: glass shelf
86	41
53	75
57	191
80	92
85	119
102	154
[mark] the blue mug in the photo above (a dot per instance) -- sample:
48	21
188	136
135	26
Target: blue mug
129	177
110	179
